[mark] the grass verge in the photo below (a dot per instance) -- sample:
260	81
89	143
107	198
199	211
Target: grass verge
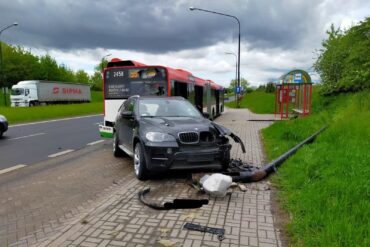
257	102
31	114
325	185
27	114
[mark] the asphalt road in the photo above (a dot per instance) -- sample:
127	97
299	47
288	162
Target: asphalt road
26	144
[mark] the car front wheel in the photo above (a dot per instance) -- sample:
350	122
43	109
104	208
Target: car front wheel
141	171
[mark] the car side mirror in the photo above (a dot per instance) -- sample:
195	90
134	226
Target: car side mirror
127	114
206	115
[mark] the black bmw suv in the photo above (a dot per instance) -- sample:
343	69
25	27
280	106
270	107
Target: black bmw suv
168	133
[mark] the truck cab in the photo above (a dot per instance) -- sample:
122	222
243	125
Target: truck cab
24	94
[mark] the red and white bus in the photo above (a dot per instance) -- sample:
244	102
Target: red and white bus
124	78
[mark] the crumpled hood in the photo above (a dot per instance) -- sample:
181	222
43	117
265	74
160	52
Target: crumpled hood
174	125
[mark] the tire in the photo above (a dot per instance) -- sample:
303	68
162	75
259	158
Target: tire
117	152
31	104
141	171
2	128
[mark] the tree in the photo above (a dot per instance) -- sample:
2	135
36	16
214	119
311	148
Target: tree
18	65
49	69
96	81
82	77
66	74
270	87
243	83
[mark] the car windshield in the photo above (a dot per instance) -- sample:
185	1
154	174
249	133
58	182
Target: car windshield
167	108
17	91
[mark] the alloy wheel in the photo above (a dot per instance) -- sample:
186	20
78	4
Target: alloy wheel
137	159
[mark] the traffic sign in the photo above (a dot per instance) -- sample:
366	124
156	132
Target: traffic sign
237	89
298	77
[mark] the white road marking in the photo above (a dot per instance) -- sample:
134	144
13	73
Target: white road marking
96	142
60	153
12	168
22	137
55	120
97	123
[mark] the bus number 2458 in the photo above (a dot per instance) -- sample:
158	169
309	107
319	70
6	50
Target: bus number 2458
118	74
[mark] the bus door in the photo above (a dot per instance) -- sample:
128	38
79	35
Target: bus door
181	89
207	107
198	98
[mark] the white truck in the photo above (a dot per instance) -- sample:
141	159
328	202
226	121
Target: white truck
35	92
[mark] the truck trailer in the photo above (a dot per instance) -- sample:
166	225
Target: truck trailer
35	92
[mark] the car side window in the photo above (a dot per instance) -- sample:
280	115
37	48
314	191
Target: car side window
129	104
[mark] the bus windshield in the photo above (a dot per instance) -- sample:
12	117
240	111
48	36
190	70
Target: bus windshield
121	83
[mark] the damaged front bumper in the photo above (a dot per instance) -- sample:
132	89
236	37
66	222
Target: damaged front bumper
171	156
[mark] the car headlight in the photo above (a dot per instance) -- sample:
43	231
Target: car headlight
159	137
2	118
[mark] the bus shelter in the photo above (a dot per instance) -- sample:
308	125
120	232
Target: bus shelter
293	95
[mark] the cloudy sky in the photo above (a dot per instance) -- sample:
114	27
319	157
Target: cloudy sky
276	35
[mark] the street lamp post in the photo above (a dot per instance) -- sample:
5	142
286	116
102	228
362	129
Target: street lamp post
1	59
102	62
236	68
218	13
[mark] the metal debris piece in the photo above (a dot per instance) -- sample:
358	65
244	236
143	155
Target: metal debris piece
220	232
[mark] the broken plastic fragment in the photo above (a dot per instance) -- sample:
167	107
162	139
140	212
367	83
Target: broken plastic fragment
217	184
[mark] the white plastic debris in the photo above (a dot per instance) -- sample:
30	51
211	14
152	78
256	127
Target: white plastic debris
204	178
217	184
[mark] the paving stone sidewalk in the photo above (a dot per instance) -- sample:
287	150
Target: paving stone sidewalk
121	220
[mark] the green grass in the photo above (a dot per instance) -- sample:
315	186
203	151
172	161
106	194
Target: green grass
30	114
325	185
257	102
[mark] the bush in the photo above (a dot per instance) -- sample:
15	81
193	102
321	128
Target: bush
270	87
344	61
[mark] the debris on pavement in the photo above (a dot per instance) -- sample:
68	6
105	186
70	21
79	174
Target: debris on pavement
84	221
216	184
164	231
242	187
175	204
220	232
166	242
233	185
189	216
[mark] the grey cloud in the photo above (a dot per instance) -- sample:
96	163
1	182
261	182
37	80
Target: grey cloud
156	26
